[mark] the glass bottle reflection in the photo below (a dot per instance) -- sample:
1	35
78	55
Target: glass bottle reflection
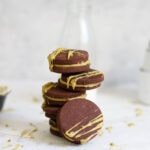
77	31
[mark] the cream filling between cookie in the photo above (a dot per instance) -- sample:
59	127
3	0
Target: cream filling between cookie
75	85
53	55
48	86
72	80
70	65
65	99
54	128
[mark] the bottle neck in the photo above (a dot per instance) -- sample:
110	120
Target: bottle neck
82	8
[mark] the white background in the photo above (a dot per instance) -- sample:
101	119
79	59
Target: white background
29	31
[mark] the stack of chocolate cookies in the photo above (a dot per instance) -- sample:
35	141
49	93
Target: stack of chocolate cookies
71	115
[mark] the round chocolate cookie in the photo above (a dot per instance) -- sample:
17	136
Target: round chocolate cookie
51	116
68	60
55	131
50	110
56	96
53	128
79	120
52	122
81	81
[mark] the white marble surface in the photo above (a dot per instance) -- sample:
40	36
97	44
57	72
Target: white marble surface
23	124
29	30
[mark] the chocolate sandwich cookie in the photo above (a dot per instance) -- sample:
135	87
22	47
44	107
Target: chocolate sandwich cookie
81	81
50	111
56	96
68	60
55	131
52	122
79	120
53	128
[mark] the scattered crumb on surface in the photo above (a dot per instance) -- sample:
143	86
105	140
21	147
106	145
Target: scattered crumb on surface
10	145
112	144
109	129
138	112
17	147
130	124
24	133
9	140
100	133
35	99
6	125
33	125
29	132
33	131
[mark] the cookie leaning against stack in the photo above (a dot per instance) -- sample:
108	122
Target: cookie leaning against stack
79	120
71	114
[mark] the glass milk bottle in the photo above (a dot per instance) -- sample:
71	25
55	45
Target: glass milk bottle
144	79
78	33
